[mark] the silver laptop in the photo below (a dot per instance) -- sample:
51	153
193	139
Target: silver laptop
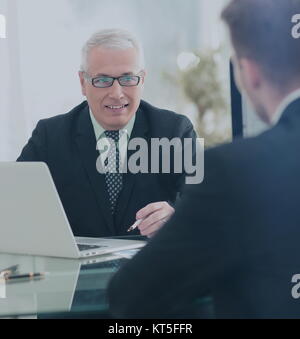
33	221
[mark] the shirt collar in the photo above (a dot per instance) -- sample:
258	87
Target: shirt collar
99	130
284	104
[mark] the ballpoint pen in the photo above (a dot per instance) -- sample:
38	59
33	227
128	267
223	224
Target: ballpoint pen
135	225
25	276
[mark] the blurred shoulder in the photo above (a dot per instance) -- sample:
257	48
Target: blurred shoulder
65	118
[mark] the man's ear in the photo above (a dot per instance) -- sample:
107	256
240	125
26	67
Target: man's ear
250	73
82	83
143	75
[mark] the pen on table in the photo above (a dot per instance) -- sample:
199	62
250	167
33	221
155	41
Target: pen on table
135	225
26	276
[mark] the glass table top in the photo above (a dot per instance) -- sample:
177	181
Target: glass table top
66	285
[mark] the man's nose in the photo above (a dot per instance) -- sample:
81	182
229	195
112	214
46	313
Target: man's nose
116	90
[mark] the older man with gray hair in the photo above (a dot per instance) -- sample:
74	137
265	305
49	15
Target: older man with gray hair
112	76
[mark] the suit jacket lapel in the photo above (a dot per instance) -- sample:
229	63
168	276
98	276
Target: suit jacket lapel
139	131
86	143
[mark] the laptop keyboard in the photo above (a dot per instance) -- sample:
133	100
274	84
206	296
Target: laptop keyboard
112	264
83	247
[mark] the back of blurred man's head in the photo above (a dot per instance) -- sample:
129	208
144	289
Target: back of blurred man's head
261	30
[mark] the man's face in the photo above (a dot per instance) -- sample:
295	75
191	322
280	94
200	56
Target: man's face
114	106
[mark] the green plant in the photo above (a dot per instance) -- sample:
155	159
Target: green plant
200	84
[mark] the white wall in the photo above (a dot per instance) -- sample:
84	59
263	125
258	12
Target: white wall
12	117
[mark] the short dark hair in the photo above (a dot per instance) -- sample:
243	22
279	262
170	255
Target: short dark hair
261	30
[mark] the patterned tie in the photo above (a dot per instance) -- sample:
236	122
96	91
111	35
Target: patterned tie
114	182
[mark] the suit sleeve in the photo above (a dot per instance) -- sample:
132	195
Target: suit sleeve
35	150
182	262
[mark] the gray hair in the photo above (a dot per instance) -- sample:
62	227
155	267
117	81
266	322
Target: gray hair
112	39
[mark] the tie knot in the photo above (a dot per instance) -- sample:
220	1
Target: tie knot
114	135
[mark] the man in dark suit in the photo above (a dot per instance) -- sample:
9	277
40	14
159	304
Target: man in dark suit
105	204
236	236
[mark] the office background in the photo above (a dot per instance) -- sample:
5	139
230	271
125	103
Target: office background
40	59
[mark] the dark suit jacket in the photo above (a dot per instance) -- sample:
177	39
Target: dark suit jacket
67	144
236	236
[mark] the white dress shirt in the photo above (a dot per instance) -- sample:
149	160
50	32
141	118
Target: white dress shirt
284	104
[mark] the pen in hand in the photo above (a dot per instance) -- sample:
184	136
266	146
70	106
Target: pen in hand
135	225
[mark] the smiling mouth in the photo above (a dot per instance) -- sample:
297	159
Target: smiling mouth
117	107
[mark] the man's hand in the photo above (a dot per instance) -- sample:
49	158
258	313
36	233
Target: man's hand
155	215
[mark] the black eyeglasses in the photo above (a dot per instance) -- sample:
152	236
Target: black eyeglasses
104	81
